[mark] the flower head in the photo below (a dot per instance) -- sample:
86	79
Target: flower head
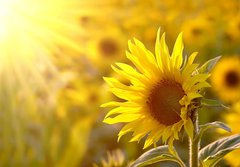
114	159
232	119
106	46
226	79
162	95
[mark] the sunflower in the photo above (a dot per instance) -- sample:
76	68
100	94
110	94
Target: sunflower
233	158
226	78
114	158
197	31
108	46
232	119
232	30
162	95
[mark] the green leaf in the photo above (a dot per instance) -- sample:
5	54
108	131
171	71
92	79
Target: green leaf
212	103
211	154
208	66
155	155
216	124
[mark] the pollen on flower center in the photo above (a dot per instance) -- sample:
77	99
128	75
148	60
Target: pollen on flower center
164	100
232	79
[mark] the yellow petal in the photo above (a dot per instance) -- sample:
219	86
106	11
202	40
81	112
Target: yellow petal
188	126
122	118
149	141
166	133
136	62
138	137
127	128
164	54
193	80
131	74
157	50
177	52
188	70
200	85
115	104
121	109
191	58
193	95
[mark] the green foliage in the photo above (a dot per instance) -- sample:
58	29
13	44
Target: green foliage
216	124
212	103
211	154
155	155
208	66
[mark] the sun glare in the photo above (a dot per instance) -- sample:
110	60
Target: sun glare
34	33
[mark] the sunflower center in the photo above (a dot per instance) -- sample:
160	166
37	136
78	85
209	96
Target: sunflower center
163	102
228	37
108	47
197	31
232	79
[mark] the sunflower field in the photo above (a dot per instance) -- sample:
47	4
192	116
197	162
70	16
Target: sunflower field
119	83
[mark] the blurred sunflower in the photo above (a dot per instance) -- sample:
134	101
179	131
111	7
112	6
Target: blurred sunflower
162	94
197	31
108	46
81	97
232	119
232	32
114	159
226	78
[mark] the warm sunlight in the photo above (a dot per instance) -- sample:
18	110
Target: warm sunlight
33	33
119	83
36	26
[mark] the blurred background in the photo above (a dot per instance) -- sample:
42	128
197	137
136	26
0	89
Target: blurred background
54	54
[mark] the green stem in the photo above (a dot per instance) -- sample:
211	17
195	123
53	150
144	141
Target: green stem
194	143
181	163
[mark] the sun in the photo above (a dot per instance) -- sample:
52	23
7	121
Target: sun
43	23
32	33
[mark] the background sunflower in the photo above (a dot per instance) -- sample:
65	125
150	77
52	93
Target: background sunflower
226	78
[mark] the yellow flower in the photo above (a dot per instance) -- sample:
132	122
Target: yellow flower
80	96
232	119
197	30
108	46
226	78
114	159
232	32
233	158
162	94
